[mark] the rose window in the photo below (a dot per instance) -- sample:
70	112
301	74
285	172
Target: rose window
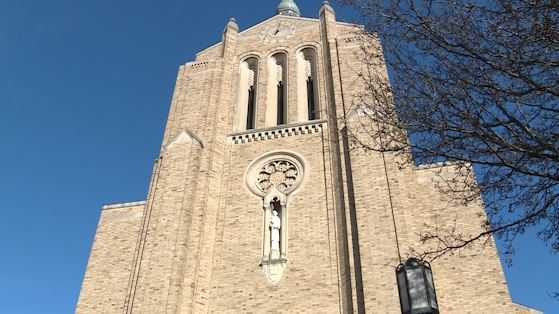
281	174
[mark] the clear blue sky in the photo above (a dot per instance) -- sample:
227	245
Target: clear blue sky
85	88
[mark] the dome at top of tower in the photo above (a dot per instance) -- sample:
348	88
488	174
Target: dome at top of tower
288	7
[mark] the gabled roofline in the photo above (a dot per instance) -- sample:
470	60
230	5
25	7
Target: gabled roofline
277	17
297	18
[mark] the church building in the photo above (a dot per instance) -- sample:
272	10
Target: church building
259	204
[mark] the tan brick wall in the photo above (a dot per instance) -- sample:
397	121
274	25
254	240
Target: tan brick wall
108	272
310	281
470	282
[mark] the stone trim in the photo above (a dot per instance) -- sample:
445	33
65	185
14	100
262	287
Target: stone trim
436	165
123	205
527	310
184	136
272	261
198	66
278	132
256	169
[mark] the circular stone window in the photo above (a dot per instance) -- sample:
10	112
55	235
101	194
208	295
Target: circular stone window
281	171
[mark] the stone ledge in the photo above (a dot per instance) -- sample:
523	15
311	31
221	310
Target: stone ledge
310	127
123	205
526	310
435	165
282	260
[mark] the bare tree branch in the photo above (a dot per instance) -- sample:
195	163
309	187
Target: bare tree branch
475	84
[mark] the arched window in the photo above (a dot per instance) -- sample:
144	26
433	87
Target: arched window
276	113
248	78
307	91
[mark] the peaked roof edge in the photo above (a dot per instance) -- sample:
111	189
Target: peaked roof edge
278	17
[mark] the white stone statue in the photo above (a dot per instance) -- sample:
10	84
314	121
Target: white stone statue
275	226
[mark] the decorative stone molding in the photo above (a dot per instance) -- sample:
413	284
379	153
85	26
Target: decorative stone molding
184	137
279	174
280	171
200	66
278	132
273	177
123	205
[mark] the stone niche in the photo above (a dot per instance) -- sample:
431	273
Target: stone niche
274	177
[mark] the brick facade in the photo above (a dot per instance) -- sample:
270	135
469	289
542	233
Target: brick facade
195	245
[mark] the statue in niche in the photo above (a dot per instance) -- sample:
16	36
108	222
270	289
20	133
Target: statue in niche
275	227
274	180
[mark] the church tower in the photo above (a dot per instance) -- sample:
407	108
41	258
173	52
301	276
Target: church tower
257	204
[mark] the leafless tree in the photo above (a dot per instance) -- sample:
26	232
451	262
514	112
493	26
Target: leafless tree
476	84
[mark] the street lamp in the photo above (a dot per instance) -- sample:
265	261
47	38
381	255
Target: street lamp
416	288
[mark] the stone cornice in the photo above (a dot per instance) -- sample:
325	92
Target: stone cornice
278	132
123	205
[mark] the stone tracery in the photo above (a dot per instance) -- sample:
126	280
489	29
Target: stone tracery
281	174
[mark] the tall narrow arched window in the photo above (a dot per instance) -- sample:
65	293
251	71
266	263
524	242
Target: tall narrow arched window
248	77
276	113
307	95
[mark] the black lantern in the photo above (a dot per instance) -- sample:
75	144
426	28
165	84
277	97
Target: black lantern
416	288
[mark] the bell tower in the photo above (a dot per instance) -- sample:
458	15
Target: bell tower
258	204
